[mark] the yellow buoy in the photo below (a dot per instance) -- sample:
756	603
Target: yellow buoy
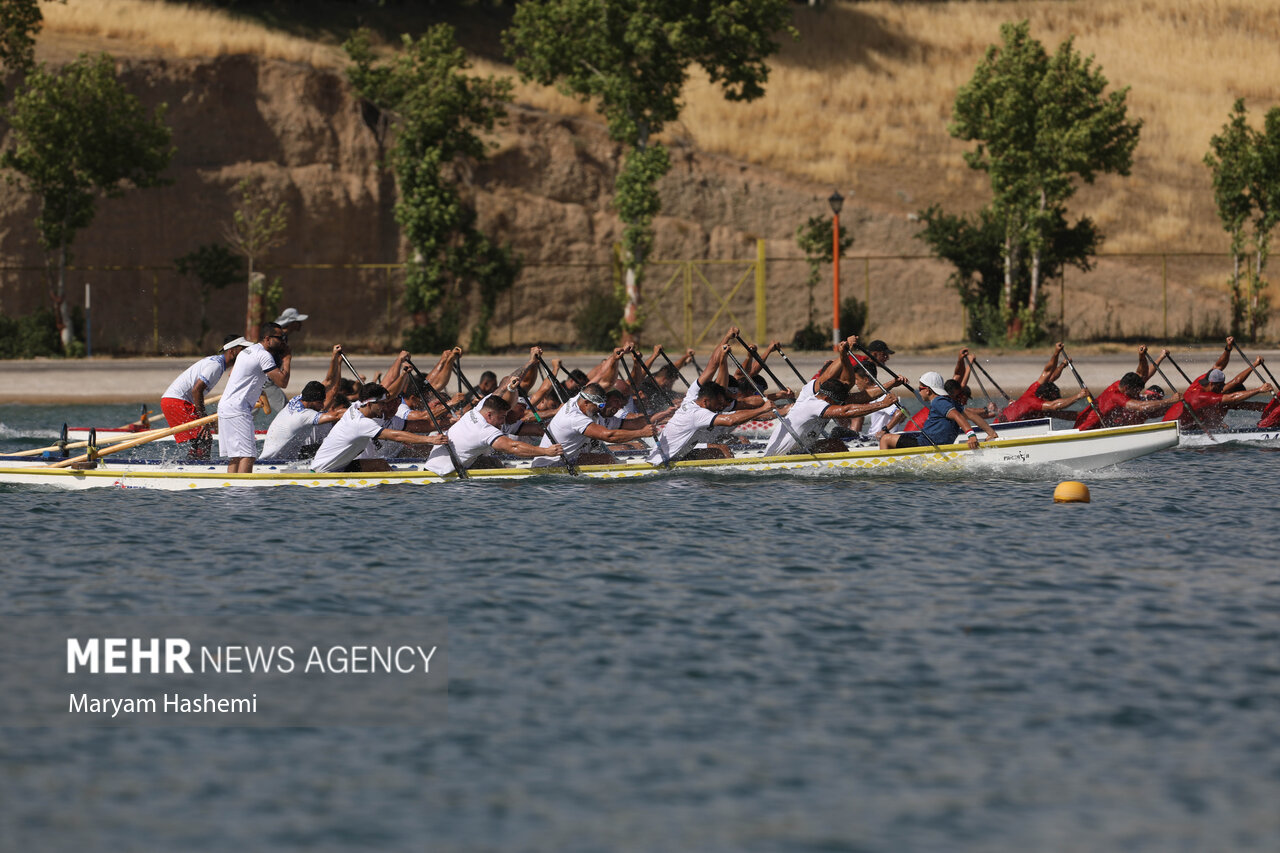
1071	492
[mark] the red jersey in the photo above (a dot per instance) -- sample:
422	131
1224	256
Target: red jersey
1026	406
917	420
1207	405
1271	415
1111	404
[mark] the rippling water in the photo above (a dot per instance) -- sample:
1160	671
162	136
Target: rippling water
698	662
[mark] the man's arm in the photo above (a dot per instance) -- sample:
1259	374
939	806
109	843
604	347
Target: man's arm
1052	370
727	419
1225	358
197	398
519	448
606	372
963	368
1150	408
280	376
1062	402
617	436
1240	396
858	410
439	375
411	437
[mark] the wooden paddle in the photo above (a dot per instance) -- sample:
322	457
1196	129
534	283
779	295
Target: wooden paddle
973	361
1274	385
1186	404
144	438
672	365
1087	395
782	421
453	454
657	439
909	386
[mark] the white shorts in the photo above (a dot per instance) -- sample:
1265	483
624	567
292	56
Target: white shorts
236	437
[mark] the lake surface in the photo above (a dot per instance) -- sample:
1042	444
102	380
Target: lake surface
742	662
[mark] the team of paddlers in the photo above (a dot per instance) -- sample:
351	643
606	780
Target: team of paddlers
344	424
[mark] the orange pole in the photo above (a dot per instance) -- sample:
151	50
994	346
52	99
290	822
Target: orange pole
835	278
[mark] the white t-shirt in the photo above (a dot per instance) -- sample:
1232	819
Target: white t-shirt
472	437
350	435
568	429
804	418
248	375
209	369
808	392
690	424
290	430
878	420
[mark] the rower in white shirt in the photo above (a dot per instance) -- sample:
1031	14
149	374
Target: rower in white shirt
477	434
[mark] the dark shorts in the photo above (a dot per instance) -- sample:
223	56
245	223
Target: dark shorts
913	439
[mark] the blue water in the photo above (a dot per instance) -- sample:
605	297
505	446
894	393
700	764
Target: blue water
697	662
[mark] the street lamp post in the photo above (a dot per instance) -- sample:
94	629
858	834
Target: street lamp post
836	201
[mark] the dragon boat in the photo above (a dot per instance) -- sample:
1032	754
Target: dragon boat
1068	450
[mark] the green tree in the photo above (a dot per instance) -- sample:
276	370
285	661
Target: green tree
1041	122
213	266
439	114
1246	189
259	220
973	245
78	135
20	20
632	57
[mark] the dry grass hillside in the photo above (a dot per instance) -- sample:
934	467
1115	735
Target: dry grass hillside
862	99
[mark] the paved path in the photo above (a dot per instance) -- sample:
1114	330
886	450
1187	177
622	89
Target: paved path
143	380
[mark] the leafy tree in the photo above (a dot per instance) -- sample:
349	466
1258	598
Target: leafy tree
815	239
438	113
20	20
259	219
1246	189
973	244
213	266
1041	122
633	58
79	135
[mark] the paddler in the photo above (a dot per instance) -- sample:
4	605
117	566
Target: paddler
1121	404
945	422
477	434
807	418
579	421
361	425
1043	398
1206	398
183	400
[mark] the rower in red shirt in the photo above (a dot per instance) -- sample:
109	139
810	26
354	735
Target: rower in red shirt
1121	403
1206	397
1043	398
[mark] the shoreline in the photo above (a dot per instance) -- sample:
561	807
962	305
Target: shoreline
105	380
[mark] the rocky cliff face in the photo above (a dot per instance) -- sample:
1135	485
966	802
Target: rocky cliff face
546	190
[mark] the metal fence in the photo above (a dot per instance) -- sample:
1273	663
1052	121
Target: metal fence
150	309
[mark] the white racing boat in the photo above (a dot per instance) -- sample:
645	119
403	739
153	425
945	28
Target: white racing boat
1068	450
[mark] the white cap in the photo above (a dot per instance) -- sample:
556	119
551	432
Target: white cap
238	342
933	381
290	315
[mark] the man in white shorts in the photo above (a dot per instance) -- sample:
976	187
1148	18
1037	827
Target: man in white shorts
252	369
362	424
478	433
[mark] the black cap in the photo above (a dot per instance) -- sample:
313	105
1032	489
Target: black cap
879	346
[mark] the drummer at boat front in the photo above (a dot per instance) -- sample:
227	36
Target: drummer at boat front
946	420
